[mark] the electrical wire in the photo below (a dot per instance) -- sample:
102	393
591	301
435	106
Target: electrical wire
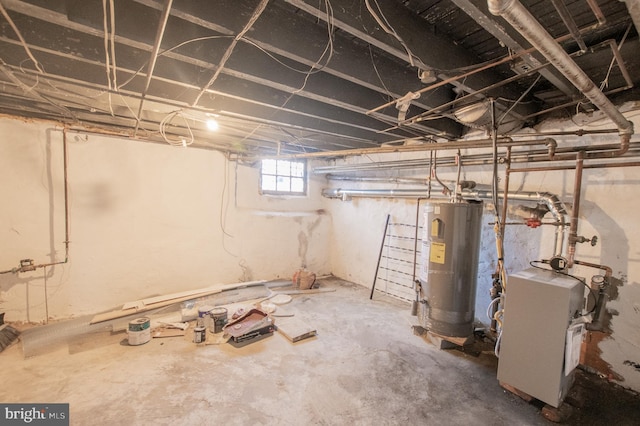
373	62
605	81
22	40
519	99
205	38
316	66
493	302
591	292
386	26
167	121
227	54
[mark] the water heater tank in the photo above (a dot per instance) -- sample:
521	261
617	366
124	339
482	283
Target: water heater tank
450	250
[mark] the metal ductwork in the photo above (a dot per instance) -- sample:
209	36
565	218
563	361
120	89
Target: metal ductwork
521	20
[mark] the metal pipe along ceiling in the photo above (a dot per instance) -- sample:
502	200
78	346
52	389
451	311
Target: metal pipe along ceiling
520	19
552	201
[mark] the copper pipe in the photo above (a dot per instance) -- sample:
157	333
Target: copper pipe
608	272
66	204
482	68
597	12
505	195
465	144
65	162
521	20
575	210
579	132
420	117
566	17
574	102
615	49
66	214
596	323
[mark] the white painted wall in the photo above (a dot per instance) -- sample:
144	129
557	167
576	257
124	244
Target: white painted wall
609	210
151	219
145	219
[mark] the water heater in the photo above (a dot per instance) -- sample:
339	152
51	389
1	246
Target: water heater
449	269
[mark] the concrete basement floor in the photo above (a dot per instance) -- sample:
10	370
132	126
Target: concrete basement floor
364	367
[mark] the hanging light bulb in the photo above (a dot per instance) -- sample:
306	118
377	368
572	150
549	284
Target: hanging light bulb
212	124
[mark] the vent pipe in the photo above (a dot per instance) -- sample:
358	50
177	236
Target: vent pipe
520	19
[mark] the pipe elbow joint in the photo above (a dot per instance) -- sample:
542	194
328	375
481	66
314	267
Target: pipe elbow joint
626	131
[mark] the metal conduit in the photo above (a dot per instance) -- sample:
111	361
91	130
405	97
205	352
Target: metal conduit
475	160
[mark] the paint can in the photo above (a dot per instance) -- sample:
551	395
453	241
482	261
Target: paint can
218	319
199	335
203	316
139	331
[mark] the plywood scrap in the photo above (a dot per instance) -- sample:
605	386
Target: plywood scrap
295	329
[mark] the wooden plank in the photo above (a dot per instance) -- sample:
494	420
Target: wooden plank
311	291
125	312
137	304
517	392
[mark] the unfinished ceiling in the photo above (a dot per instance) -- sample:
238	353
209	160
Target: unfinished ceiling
293	76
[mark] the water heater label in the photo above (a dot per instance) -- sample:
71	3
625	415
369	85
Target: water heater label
437	252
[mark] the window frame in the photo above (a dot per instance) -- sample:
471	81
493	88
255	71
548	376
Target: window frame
290	175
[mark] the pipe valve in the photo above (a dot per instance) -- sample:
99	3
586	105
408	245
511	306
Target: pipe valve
593	240
26	265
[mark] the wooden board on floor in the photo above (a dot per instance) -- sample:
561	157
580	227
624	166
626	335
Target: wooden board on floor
295	329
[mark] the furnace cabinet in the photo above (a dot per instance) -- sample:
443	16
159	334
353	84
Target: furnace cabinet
542	333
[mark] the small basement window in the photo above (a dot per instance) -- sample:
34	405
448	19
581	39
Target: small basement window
283	177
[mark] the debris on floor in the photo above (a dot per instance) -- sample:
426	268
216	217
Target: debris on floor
175	315
253	324
295	329
152	303
174	329
168	332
